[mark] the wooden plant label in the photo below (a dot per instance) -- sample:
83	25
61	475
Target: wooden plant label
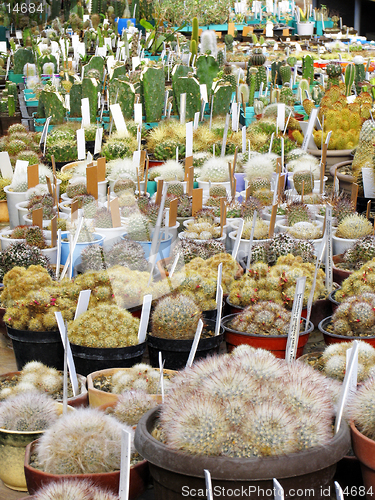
188	164
322	172
38	217
272	221
32	175
295	320
115	213
159	191
173	212
231	29
191	181
223	215
329	255
234	187
248	192
92	181
195	343
146	308
54	231
368	209
142	161
197	200
354	194
49	186
74	210
101	166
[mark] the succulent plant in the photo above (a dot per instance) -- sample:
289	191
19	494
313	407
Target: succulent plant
132	405
355	317
34	237
127	253
333	360
358	282
306	230
138	227
361	252
215	170
69	489
21	254
361	408
189	249
122	185
237	405
304	179
283	244
76	189
30	411
140	377
354	226
202	228
102	218
262	318
260	232
297	212
83	442
175	317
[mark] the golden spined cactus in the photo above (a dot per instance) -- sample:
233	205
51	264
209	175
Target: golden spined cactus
20	281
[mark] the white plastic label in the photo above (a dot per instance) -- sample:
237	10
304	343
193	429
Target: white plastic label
126	439
295	320
278	489
346	385
118	118
238	239
81	144
5	165
329	255
146	308
85	108
83	303
98	140
189	139
195	343
71	365
310	128
138	113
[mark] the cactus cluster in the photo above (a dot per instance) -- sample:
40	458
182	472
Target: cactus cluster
262	318
21	254
215	170
133	404
238	405
201	230
361	252
306	230
70	489
297	212
355	316
360	281
140	377
260	232
104	326
189	249
354	226
85	441
175	317
30	411
276	283
361	408
333	360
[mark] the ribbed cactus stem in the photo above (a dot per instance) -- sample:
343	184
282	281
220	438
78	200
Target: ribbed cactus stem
349	78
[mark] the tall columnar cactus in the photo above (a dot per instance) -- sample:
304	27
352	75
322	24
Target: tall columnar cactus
153	87
349	78
252	85
11	106
261	77
90	89
360	73
189	86
308	68
75	99
207	70
194	37
220	58
285	72
275	74
209	42
334	71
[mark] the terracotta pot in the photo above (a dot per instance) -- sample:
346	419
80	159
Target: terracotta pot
345	181
75	401
98	397
139	477
364	449
274	344
172	470
339	275
331	338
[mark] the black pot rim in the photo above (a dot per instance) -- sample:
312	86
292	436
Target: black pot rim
93	353
228	318
344	338
237	469
331	297
32	336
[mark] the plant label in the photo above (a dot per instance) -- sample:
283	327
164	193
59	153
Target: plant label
53	230
188	164
194	346
249	251
278	489
159	192
43	137
92	181
189	139
173	212
338	489
155	239
66	344
32	175
203	91
101	168
174	265
273	220
98	140
37	217
310	128
238	239
354	375
295	320
81	144
197	200
368	182
218	280
83	303
350	367
183	107
118	118
280	121
243	140
225	135
271	142
126	439
223	215
161	380
138	113
234	116
312	291
85	109
115	212
329	254
219	308
145	315
196	120
207	477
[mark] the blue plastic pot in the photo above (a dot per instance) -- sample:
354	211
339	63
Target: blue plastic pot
78	249
164	248
123	23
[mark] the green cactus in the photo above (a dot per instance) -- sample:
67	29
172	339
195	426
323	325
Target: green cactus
153	87
308	68
220	58
297	212
360	75
207	69
190	86
222	98
34	237
275	73
138	228
354	226
51	104
228	40
355	317
306	177
27	412
175	317
90	90
21	57
132	405
334	71
75	99
349	78
122	92
261	76
103	218
285	73
98	63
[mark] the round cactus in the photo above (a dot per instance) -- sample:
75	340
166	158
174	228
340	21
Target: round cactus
263	318
354	226
361	408
355	316
132	405
73	490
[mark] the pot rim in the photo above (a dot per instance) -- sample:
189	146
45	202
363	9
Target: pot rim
344	338
265	468
226	319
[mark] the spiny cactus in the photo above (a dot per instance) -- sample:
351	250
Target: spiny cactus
342	207
140	377
34	237
175	317
83	442
355	317
303	178
218	192
259	183
354	226
260	232
103	218
30	411
236	405
175	188
215	170
263	318
361	408
122	185
73	189
104	326
189	249
138	227
306	230
132	405
358	282
73	490
361	252
297	212
334	360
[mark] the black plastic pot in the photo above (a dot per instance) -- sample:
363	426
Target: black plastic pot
91	359
177	475
176	352
45	347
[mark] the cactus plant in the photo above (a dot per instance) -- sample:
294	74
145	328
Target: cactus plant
308	68
297	212
355	317
207	69
132	405
333	360
354	226
303	178
69	489
262	318
190	87
361	409
31	411
153	85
